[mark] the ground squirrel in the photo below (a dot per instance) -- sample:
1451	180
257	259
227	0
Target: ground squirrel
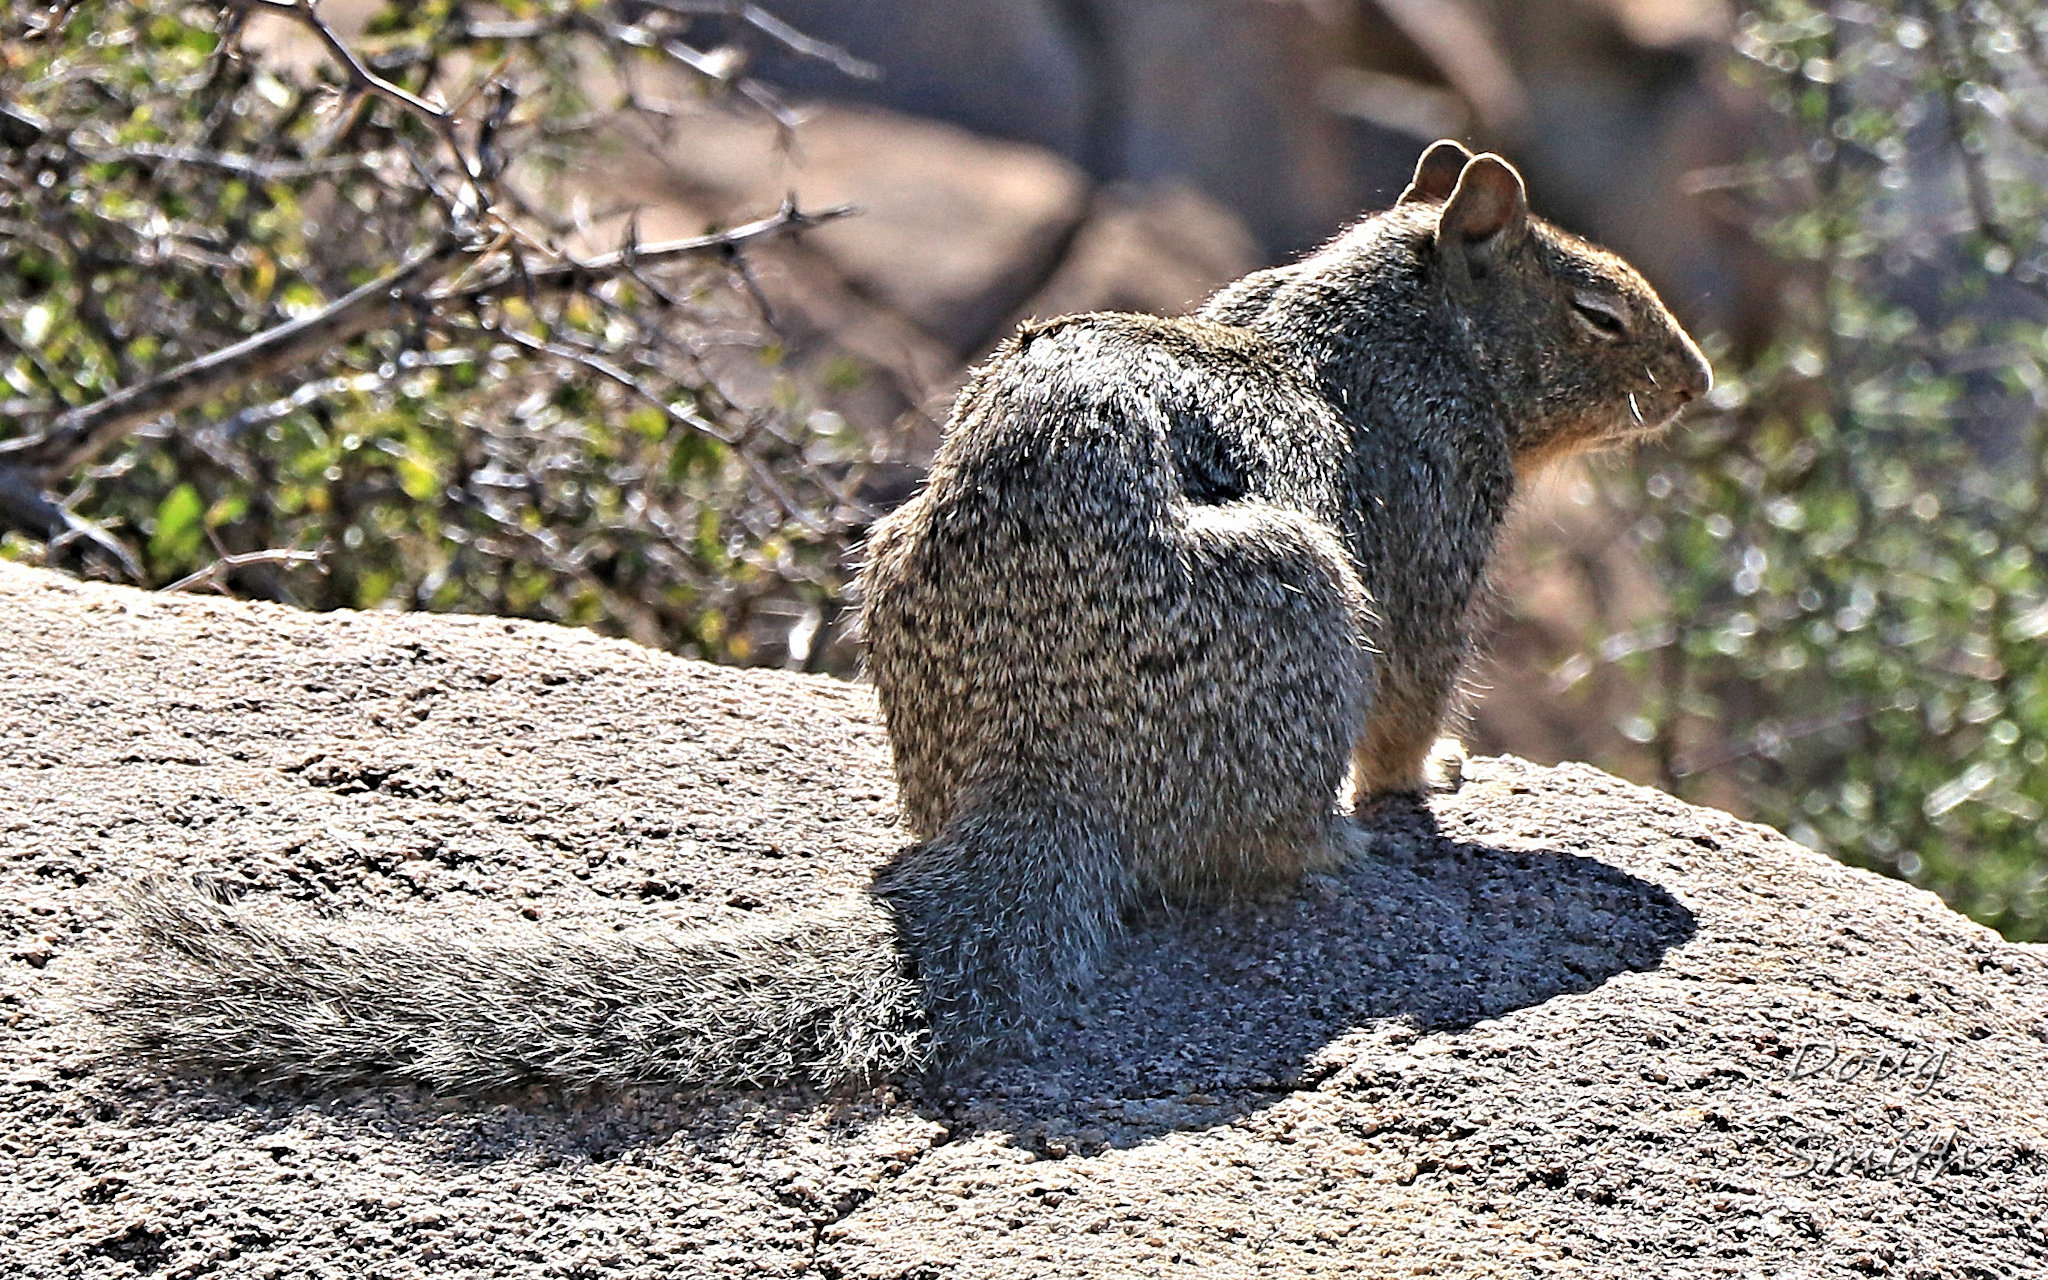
1169	581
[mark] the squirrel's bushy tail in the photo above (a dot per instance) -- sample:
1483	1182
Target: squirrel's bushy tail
279	991
1005	913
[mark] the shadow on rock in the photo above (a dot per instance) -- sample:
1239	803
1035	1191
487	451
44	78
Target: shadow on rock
1201	1015
1229	1008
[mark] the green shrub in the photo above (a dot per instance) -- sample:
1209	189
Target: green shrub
174	181
1853	548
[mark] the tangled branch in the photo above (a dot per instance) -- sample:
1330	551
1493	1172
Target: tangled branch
355	305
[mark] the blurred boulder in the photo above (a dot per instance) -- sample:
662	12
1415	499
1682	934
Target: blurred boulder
1160	249
1297	114
958	238
955	230
1220	94
1618	113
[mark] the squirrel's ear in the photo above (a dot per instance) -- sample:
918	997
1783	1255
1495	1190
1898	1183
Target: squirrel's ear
1487	214
1436	174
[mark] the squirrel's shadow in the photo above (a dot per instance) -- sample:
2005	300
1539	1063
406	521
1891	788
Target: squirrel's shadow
1202	1015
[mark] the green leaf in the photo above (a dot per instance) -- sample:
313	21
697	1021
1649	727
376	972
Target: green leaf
177	538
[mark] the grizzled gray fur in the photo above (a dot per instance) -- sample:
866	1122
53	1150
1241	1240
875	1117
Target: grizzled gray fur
1171	582
285	993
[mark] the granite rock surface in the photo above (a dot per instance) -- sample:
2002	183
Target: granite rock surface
1557	1025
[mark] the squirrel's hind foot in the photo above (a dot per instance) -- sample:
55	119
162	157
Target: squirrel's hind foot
1443	772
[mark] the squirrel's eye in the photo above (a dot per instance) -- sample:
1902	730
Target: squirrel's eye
1601	318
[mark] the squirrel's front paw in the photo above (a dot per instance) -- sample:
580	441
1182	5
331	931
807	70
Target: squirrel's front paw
1444	770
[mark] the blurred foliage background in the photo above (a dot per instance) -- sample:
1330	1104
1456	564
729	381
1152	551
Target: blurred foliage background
1841	630
514	437
1852	550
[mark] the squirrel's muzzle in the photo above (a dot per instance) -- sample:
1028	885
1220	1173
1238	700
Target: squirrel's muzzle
1696	376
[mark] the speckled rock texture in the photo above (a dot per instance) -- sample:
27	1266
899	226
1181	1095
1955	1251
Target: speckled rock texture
1559	1026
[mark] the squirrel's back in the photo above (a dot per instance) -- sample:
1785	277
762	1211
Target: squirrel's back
1121	506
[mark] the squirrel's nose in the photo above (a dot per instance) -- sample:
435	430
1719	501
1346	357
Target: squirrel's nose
1698	378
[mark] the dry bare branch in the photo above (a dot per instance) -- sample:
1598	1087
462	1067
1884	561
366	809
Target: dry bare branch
214	575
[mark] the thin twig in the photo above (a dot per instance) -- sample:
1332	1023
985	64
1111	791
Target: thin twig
25	506
441	120
777	30
211	575
80	435
572	272
1977	191
242	166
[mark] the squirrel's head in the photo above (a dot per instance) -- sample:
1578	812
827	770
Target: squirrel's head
1583	353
